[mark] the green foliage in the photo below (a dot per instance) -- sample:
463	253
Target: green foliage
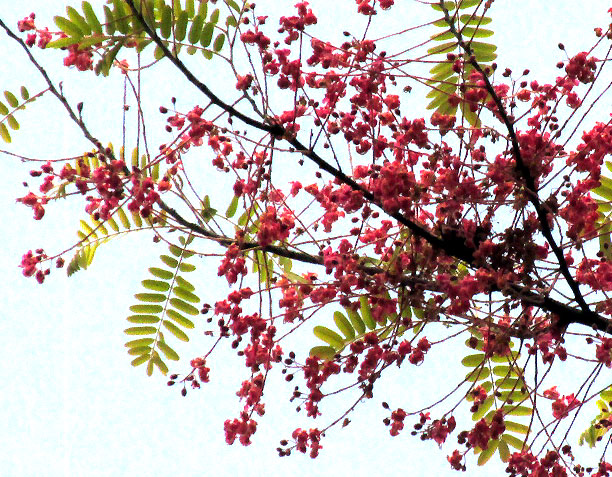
604	207
600	426
207	212
353	326
8	112
501	377
93	233
178	27
168	300
445	81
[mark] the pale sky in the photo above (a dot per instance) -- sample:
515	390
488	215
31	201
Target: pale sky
72	405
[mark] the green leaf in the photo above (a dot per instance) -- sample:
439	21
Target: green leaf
160	273
11	99
483	408
233	5
190	8
447	35
180	319
207	34
158	54
184	306
231	210
517	410
3	109
513	441
139	342
441	77
148	309
325	353
4	133
504	451
91	18
150	297
344	325
516	427
24	93
109	20
99	225
203	9
512	396
148	319
590	436
502	371
444	89
186	295
68	27
330	337
137	219
180	28
12	122
606	395
468	3
356	320
121	16
486	454
478	374
166	22
443	48
470	32
156	285
448	5
473	360
510	383
141	359
474	20
186	267
123	218
90	41
160	364
366	312
176	251
604	192
87	229
219	41
181	282
481	48
168	352
175	330
150	367
511	358
140	330
140	350
214	16
78	20
171	262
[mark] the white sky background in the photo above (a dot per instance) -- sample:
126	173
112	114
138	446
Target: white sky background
72	405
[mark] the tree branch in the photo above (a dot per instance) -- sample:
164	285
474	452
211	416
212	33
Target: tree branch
521	167
460	251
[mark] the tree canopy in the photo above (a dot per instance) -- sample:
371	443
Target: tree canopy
366	194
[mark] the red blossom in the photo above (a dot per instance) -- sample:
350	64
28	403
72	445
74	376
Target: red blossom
27	23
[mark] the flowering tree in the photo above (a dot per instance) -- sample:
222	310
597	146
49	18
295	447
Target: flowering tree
383	232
